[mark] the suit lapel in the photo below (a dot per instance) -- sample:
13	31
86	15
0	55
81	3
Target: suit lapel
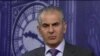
41	52
68	50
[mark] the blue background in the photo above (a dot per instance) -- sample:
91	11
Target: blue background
83	18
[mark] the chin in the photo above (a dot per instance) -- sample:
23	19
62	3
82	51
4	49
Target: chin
52	43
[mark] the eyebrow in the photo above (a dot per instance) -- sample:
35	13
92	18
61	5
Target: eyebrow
55	24
46	24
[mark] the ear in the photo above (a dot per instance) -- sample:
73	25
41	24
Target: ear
39	30
65	27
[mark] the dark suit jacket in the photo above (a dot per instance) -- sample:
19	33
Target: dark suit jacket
69	50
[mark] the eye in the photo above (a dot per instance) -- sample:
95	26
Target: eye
56	24
45	25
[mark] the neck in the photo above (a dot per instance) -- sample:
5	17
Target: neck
54	45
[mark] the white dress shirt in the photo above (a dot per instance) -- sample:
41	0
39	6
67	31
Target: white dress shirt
60	47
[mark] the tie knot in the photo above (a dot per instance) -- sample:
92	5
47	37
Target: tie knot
53	52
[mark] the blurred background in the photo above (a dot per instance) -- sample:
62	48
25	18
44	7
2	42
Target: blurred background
18	32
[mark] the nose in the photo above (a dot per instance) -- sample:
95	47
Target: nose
51	30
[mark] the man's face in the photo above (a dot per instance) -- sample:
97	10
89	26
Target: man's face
52	28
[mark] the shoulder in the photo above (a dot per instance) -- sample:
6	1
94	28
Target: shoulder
33	52
78	51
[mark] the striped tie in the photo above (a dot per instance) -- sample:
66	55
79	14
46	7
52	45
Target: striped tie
53	52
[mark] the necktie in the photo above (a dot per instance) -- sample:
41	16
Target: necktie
53	52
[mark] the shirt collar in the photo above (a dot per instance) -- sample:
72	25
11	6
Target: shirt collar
60	47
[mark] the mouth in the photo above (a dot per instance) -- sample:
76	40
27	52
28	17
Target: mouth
52	37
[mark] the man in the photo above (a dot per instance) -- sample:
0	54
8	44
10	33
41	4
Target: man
52	28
